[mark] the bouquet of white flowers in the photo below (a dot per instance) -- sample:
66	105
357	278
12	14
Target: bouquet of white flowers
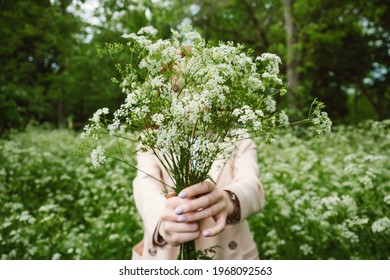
191	103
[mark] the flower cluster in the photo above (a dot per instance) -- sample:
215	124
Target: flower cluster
186	97
381	225
190	103
320	119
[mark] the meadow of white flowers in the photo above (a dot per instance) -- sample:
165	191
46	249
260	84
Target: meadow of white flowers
55	205
326	197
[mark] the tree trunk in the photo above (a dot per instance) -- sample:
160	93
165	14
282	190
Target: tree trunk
60	104
292	61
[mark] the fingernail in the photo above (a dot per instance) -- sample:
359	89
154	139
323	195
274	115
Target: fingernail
182	219
206	233
179	211
182	195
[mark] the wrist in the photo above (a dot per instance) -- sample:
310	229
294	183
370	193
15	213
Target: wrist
234	213
232	202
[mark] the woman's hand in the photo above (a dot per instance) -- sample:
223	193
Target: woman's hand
204	200
172	227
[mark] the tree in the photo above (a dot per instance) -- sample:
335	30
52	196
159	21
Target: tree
292	59
36	41
330	48
337	52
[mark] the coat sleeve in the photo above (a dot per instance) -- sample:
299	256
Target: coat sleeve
246	184
148	191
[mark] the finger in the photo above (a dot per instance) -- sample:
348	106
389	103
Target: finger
196	204
170	227
169	212
179	238
169	195
217	228
196	216
197	189
201	202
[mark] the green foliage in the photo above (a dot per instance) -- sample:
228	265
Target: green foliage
37	39
55	205
51	72
338	44
326	196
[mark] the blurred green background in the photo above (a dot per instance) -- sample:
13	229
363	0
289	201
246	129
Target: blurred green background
327	197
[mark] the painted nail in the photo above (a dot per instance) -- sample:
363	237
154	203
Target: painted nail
206	233
182	219
179	211
182	195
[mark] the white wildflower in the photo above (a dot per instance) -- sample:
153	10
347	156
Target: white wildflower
116	128
321	122
349	202
356	221
158	81
270	104
6	224
56	256
152	65
257	125
283	119
274	78
168	52
273	62
148	30
352	169
349	158
236	112
306	249
381	225
247	115
113	236
131	98
366	181
47	208
255	84
192	36
98	113
346	233
141	40
175	34
259	113
387	199
296	228
330	202
98	156
241	134
26	217
158	119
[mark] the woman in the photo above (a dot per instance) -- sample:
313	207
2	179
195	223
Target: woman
211	214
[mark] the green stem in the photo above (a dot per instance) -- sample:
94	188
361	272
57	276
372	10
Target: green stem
187	251
136	168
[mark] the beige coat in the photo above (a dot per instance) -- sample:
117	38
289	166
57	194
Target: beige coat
240	176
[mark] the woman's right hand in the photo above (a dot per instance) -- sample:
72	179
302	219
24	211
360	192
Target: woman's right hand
172	229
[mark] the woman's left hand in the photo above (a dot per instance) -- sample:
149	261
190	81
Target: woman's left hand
206	200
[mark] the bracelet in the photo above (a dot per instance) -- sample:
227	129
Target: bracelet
235	216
